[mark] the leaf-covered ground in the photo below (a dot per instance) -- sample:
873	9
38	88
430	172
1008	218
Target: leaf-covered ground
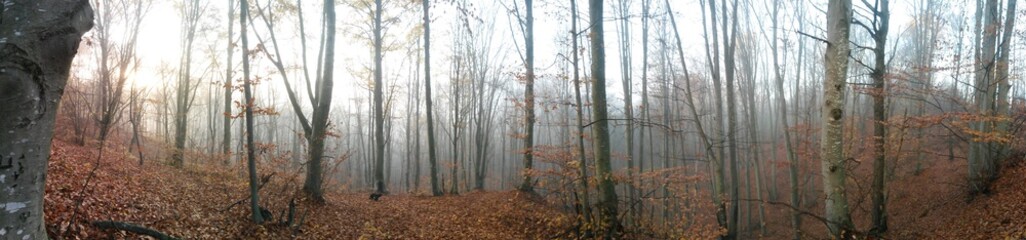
200	203
933	204
209	203
1000	215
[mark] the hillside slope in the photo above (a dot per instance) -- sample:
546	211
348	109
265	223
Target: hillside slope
1000	215
208	203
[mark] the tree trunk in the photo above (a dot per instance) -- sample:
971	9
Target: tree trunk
980	157
529	116
583	165
185	93
135	118
436	189
38	40
832	151
729	44
254	193
623	32
718	188
454	187
879	207
416	135
379	117
319	124
600	130
1003	86
228	80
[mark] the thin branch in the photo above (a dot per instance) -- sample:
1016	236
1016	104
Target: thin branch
813	37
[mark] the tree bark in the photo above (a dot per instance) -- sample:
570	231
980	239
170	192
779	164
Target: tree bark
36	50
133	228
436	189
981	167
583	164
623	32
529	116
878	193
600	130
454	184
1003	85
319	124
832	149
719	195
379	115
729	44
254	190
228	89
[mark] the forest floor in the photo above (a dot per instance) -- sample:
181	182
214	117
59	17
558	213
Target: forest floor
211	203
933	204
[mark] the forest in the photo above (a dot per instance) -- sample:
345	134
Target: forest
512	119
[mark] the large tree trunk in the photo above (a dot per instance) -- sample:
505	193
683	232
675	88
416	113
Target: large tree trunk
600	130
379	114
980	157
436	189
319	124
832	148
39	40
879	207
1003	86
529	117
716	141
729	44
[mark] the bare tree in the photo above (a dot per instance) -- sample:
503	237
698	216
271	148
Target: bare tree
379	115
527	27
432	155
878	28
315	128
583	165
185	92
117	57
713	59
228	88
729	46
600	128
136	104
254	191
834	167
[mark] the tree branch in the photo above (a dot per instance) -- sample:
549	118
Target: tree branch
133	228
813	37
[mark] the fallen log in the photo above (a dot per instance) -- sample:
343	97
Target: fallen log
133	228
